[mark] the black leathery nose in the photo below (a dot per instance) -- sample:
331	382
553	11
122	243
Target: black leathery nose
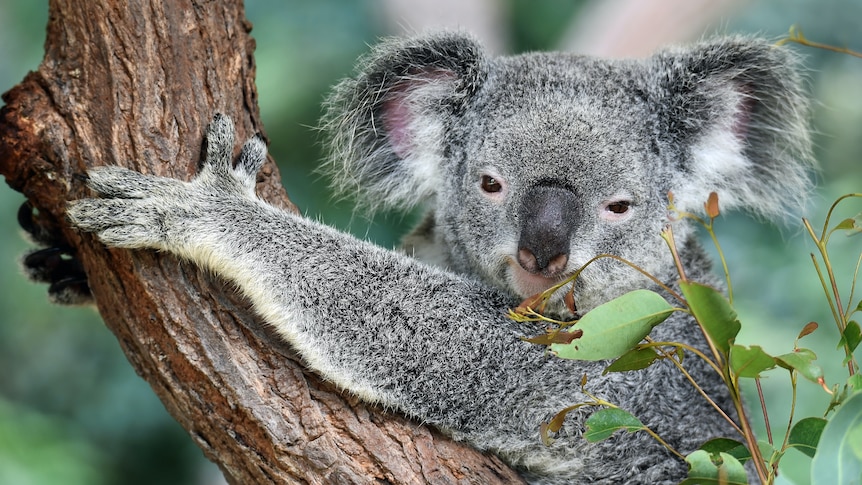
549	216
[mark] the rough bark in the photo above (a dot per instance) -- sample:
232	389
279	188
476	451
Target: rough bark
134	83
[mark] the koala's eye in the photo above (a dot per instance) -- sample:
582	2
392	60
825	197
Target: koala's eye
490	185
620	207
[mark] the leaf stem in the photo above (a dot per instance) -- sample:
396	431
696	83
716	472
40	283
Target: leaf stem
833	296
663	442
793	375
796	36
667	235
748	433
763	408
721	258
853	286
691	379
835	315
637	268
695	351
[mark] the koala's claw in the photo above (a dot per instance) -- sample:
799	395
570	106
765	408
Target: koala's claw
70	291
55	264
35	227
52	264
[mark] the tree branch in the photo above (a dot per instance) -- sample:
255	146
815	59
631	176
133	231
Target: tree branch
134	83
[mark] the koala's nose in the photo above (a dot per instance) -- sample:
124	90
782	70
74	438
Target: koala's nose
542	264
548	216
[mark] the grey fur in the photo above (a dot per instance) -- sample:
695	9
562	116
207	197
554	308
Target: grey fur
422	122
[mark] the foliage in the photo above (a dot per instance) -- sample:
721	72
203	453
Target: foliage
834	441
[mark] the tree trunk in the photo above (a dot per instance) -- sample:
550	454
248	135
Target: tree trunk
134	83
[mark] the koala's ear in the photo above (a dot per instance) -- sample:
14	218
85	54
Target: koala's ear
386	128
736	110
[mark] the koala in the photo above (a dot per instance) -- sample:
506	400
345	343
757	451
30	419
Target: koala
527	166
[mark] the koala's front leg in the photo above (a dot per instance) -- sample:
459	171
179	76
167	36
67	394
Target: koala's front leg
295	272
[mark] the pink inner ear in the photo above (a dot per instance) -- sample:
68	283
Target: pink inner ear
399	120
396	120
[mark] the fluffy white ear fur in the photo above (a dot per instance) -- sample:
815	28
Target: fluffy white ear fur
385	127
414	127
719	163
745	120
754	161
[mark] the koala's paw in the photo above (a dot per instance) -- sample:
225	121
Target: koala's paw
58	266
144	211
132	211
55	263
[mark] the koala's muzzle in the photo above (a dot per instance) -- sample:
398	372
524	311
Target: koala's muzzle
548	216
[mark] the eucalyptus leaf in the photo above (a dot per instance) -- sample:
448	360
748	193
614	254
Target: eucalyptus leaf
556	423
851	336
845	224
733	448
708	469
750	361
605	422
714	312
634	359
839	453
611	329
852	225
805	435
767	449
801	360
808	329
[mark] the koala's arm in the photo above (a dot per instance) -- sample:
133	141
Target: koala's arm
382	325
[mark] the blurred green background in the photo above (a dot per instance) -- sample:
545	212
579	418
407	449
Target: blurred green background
73	411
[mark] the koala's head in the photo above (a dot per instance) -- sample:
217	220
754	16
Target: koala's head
533	164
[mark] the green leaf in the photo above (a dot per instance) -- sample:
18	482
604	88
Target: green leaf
605	422
850	336
845	224
714	312
839	454
615	327
708	469
854	382
750	361
767	450
852	225
805	435
802	360
634	359
726	445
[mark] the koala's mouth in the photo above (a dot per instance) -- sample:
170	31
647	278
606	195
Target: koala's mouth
527	284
